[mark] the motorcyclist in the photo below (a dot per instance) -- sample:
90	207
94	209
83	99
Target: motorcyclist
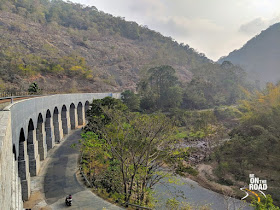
69	196
68	200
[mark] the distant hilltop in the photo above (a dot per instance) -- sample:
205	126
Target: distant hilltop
260	56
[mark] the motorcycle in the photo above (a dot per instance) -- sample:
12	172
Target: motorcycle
68	201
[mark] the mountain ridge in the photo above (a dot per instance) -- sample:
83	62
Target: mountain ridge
259	56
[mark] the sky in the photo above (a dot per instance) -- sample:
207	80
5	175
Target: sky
212	27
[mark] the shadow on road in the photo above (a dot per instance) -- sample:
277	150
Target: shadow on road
60	179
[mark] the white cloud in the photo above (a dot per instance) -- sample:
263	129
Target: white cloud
257	25
147	7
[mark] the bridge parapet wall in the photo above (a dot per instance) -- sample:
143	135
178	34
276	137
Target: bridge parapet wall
10	188
24	128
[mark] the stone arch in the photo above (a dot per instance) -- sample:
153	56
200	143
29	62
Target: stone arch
49	130
86	108
41	137
56	125
32	150
15	152
23	167
80	113
16	180
73	116
65	120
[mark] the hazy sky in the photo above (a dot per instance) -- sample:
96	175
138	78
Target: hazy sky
213	27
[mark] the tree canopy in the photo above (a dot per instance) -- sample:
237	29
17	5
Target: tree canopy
127	152
160	90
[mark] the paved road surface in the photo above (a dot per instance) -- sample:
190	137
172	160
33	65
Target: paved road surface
60	180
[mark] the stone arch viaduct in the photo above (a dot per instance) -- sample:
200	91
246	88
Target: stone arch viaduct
28	130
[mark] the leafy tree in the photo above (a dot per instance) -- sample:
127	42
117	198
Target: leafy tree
131	100
195	94
135	147
57	69
97	118
2	85
98	164
33	88
266	203
214	85
162	85
141	144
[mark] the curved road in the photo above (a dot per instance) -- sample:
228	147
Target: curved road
60	180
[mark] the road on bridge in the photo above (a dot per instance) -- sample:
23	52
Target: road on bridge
60	180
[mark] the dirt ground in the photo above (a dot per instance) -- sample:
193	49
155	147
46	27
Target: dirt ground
36	199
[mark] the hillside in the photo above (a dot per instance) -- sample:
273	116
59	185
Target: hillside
260	56
68	47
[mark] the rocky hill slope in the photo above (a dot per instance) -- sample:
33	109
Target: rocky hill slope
67	47
260	56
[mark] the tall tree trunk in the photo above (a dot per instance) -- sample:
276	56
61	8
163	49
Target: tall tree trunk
124	182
